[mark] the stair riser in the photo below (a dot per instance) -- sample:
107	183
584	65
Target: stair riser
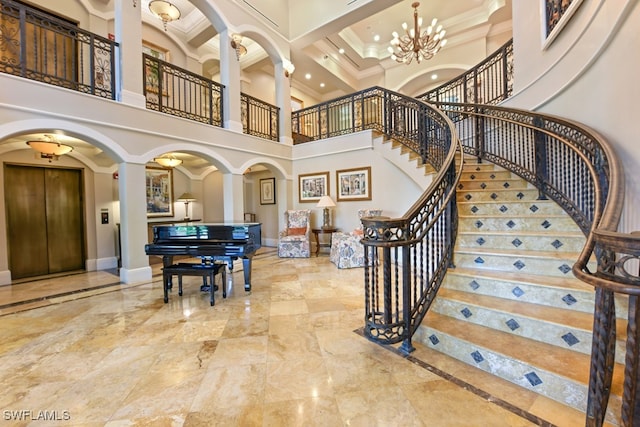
548	384
530	293
561	336
490	185
520	242
488	175
497	195
514	264
535	223
509	209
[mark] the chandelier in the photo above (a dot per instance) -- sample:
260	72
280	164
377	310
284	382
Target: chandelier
165	11
416	44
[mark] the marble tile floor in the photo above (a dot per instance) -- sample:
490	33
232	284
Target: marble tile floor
84	350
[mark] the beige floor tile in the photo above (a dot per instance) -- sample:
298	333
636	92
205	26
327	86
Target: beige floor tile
288	353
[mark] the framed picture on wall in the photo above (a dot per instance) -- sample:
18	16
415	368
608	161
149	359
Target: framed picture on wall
268	191
556	14
159	187
312	186
354	184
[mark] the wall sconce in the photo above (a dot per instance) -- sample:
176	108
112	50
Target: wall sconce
186	198
164	11
236	43
326	202
135	3
168	161
289	68
50	149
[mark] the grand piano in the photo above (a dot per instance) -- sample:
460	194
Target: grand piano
217	242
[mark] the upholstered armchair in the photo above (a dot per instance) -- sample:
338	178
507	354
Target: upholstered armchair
294	241
346	249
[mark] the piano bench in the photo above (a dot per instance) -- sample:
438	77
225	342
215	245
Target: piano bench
189	269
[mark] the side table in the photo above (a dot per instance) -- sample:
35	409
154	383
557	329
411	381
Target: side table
317	231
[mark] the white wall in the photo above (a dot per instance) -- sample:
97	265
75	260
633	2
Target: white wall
588	74
391	190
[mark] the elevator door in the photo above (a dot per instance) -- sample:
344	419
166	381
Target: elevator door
45	226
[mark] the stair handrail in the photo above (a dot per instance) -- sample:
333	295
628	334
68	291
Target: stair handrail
577	168
406	258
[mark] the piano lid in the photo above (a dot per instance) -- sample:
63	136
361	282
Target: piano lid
211	231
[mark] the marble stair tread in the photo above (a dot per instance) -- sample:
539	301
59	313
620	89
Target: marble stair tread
564	363
570	319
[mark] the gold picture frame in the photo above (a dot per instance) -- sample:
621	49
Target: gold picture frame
312	186
159	192
354	184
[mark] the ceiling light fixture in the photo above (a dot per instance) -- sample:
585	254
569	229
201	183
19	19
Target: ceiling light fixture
414	43
165	11
50	149
168	161
236	43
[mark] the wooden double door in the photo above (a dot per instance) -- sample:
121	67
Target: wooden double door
45	221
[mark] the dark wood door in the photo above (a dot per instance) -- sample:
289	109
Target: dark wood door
44	220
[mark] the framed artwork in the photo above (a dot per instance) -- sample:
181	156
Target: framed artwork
159	186
313	186
354	184
268	191
556	14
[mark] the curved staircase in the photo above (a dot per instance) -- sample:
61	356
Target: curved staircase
511	305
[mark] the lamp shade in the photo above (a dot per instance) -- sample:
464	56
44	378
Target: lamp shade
326	202
187	197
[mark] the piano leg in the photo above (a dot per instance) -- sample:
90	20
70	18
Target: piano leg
167	260
246	266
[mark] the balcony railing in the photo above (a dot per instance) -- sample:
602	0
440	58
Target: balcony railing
179	92
259	118
37	46
490	82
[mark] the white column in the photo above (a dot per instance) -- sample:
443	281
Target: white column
128	32
283	100
233	189
133	223
230	78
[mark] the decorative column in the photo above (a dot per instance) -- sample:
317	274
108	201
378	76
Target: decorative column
233	190
230	77
128	32
283	100
133	223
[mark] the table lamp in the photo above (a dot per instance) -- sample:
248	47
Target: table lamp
186	198
326	202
